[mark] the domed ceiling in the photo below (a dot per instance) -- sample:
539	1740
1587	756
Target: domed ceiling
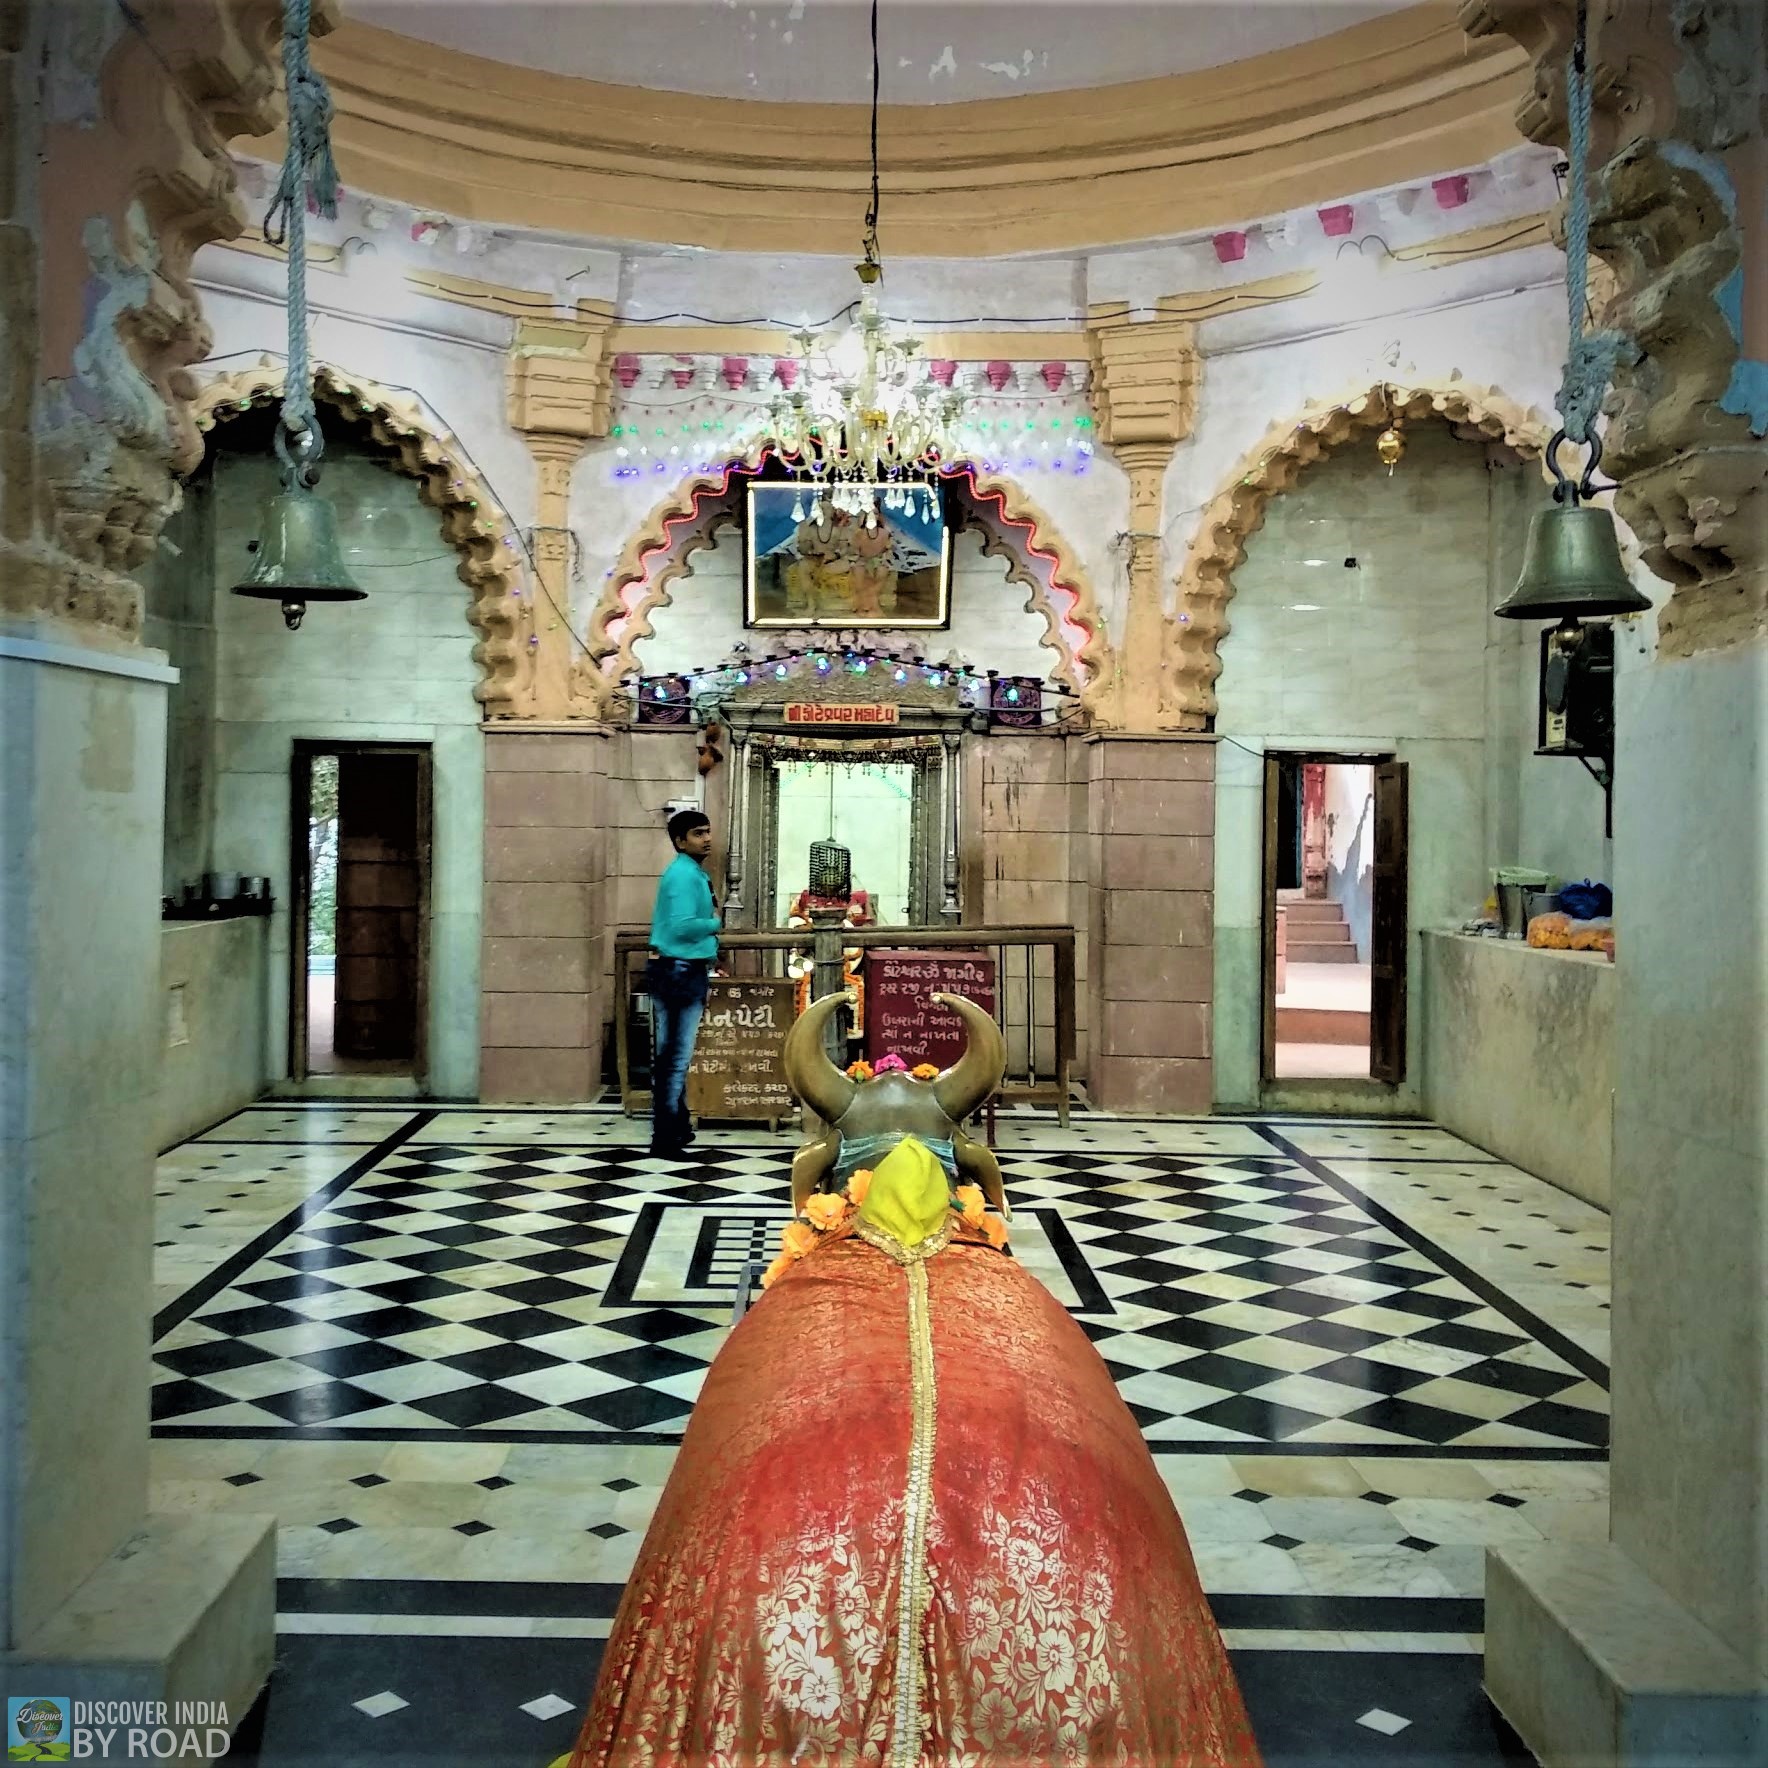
1008	126
817	51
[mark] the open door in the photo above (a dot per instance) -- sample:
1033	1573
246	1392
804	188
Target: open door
359	901
383	841
300	907
1387	928
1268	918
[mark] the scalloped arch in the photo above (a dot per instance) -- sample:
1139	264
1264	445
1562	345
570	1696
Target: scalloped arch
1076	634
1273	464
472	521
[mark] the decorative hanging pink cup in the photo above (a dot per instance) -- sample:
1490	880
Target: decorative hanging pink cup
735	370
1450	193
785	371
1054	373
941	370
683	376
1230	248
1335	222
999	373
626	369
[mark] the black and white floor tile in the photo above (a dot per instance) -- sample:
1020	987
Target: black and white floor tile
453	1349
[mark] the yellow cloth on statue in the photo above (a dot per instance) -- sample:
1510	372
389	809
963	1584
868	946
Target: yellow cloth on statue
910	1194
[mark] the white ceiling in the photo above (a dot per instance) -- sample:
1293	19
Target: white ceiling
932	51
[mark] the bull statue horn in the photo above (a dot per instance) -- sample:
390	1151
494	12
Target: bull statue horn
809	1072
978	1071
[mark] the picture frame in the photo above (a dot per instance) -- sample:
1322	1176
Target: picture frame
837	573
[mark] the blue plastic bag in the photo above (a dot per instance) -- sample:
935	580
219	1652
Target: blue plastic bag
1587	901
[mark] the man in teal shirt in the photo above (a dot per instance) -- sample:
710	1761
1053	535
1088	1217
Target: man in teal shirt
684	943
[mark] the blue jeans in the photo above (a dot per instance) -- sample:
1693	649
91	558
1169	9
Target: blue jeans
679	987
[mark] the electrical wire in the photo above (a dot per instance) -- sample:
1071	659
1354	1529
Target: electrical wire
871	234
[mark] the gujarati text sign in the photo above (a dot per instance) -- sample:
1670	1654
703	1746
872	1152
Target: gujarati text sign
835	712
900	1015
736	1070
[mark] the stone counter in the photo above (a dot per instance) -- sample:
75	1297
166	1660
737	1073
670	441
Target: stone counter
1519	1055
214	991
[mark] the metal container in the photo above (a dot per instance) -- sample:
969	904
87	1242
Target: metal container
1513	910
1539	902
221	886
256	888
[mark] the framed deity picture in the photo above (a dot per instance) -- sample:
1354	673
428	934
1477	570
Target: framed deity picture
837	571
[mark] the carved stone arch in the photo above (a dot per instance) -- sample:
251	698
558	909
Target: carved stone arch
1272	465
1012	525
473	523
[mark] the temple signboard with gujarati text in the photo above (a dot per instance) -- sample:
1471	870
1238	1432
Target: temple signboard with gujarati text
840	712
901	1019
736	1070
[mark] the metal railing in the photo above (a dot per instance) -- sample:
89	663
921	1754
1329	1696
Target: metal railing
1034	992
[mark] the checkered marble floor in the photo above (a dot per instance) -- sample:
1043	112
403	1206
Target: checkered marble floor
578	1290
453	1351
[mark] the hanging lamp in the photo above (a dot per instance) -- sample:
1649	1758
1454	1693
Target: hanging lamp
296	559
1572	568
1390	445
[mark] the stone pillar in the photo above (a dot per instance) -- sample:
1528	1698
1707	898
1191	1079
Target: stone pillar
951	907
546	913
1652	1648
1150	925
736	846
558	401
102	205
1144	404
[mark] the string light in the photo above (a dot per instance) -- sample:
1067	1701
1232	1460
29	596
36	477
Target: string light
857	660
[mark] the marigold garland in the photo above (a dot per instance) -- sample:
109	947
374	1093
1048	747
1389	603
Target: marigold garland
824	1211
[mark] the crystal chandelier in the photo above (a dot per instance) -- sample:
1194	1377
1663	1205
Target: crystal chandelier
862	422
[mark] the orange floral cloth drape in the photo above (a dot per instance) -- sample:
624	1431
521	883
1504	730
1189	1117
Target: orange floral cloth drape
913	1523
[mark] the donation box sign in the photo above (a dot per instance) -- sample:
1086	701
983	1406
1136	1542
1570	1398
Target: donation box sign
900	1015
736	1070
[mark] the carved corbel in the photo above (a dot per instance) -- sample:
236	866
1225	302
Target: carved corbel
140	180
1144	387
559	402
1677	151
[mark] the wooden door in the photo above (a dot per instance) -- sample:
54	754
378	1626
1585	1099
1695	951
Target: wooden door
1387	927
1313	830
383	842
1274	785
300	911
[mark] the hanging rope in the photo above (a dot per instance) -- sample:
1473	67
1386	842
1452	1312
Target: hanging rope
1590	357
308	170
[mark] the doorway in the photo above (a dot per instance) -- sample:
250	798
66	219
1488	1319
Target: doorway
871	809
359	942
1334	918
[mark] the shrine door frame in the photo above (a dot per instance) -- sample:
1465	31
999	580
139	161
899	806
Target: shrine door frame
1389	931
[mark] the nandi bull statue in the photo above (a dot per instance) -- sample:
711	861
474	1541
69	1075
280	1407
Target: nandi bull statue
864	1120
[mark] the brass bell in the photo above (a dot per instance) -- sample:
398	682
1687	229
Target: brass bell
297	560
1572	569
